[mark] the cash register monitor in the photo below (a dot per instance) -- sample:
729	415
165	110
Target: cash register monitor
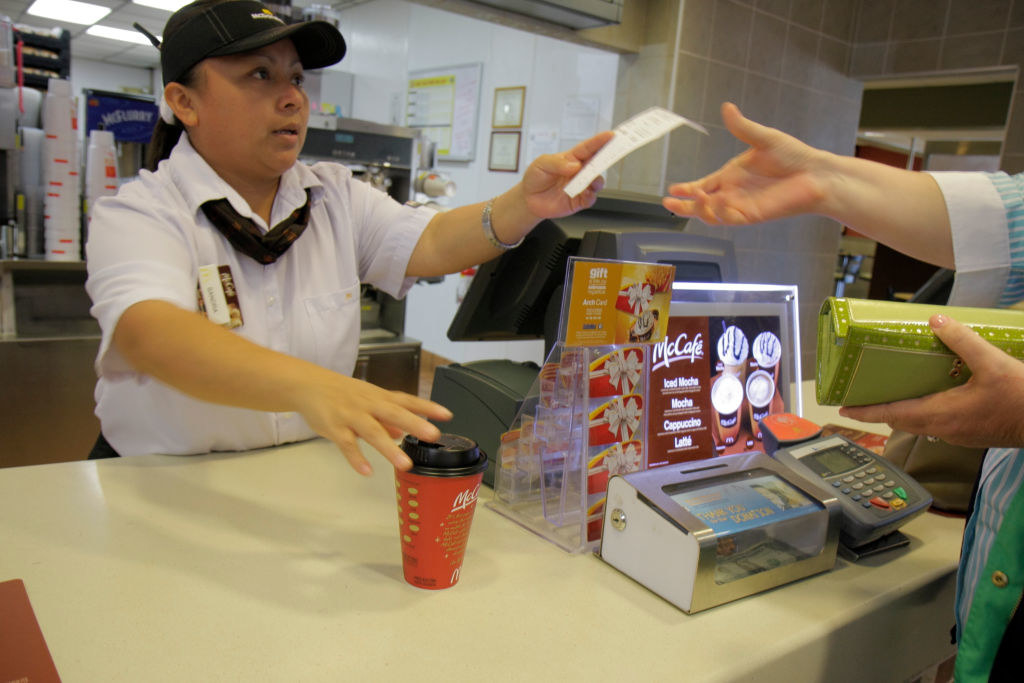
519	294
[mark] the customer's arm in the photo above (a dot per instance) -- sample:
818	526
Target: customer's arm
186	351
455	239
780	176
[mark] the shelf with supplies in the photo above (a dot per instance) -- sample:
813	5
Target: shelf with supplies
44	55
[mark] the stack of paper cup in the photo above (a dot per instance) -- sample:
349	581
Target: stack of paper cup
31	102
61	208
100	169
31	175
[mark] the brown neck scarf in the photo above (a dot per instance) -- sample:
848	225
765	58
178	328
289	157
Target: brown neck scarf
248	239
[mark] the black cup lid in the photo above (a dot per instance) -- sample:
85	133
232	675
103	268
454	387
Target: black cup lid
450	452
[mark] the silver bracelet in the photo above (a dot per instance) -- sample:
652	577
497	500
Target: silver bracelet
485	221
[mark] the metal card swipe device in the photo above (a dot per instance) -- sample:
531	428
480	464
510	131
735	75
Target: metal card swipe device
716	530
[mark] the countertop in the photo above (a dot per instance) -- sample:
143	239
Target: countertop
283	564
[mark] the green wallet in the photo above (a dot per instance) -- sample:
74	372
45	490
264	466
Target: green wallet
881	351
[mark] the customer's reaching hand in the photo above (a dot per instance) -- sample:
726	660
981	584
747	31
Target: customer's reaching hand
778	176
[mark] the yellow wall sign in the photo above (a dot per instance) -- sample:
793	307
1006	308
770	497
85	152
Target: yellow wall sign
436	81
443	105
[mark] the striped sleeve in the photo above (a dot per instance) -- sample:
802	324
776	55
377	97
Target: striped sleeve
1003	470
1011	191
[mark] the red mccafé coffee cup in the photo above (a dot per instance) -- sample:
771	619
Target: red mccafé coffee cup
436	501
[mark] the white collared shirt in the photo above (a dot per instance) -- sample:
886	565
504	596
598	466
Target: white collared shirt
148	243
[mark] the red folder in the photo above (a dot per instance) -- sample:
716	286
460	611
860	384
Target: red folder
23	652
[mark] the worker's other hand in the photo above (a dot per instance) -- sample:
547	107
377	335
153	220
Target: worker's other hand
344	410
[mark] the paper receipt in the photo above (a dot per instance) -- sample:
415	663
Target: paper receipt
631	134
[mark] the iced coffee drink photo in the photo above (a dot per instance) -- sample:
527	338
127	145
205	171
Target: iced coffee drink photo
733	350
767	351
726	399
760	392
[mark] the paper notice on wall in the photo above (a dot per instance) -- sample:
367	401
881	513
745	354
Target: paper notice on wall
580	116
645	127
540	140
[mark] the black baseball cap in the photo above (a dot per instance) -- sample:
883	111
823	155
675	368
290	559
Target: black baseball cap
214	28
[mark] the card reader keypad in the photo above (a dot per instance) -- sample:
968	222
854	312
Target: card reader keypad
869	485
876	497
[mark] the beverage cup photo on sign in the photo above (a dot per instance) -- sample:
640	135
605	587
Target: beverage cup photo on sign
767	351
436	501
760	392
732	350
643	326
726	399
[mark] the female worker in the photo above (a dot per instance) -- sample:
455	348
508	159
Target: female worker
973	222
267	358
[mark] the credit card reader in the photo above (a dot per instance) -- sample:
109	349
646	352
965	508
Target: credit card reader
875	495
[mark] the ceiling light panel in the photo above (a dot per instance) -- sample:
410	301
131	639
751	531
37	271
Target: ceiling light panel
167	5
70	11
127	36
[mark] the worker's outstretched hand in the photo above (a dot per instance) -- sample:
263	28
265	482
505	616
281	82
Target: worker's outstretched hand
545	178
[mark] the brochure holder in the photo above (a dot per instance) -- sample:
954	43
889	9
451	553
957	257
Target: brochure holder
594	411
546	474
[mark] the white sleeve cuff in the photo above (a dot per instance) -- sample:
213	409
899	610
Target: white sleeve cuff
981	239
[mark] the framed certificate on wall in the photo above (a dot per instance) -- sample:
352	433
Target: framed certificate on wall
508	107
504	151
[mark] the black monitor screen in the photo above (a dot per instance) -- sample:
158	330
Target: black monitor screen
519	294
509	296
696	271
696	258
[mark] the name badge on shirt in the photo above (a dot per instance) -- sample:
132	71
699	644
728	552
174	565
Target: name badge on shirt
218	298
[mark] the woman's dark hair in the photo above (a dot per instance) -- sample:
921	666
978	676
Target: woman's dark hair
166	135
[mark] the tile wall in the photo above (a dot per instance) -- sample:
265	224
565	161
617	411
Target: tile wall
797	65
927	37
784	63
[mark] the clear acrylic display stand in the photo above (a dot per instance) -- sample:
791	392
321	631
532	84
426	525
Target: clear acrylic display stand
564	443
545	479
